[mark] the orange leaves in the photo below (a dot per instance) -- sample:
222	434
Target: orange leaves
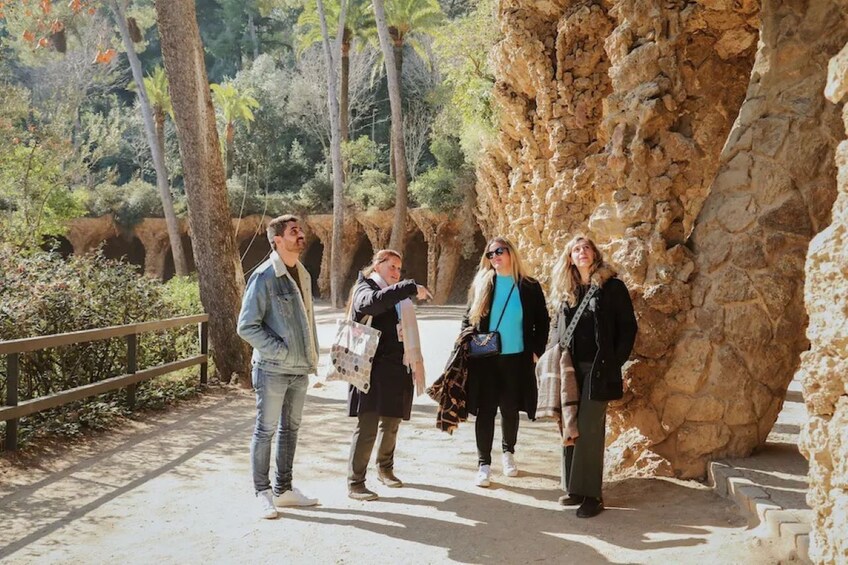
76	5
104	57
46	6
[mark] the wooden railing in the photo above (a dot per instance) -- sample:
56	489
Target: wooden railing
13	410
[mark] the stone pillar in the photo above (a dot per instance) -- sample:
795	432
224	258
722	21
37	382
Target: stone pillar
443	249
735	354
322	226
85	234
377	225
824	367
153	234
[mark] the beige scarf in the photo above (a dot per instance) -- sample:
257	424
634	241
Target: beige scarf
412	356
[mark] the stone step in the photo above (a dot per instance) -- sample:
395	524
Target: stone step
790	527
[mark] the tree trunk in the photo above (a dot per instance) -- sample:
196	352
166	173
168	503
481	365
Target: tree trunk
393	77
159	123
156	150
215	252
336	274
397	46
344	93
228	142
251	30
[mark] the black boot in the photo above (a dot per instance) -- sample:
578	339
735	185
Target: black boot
590	507
571	499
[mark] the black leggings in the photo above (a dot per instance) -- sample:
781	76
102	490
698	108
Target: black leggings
499	387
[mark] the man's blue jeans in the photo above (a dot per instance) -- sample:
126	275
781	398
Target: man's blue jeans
279	404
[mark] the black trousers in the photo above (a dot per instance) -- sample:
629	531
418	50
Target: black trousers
499	388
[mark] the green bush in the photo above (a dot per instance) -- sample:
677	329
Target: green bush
42	295
316	196
441	189
128	203
448	153
372	190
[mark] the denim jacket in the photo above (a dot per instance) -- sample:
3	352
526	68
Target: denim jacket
278	320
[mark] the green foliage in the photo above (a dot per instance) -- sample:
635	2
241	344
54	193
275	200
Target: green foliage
440	189
361	153
359	22
35	165
234	105
463	48
317	194
446	186
43	294
156	85
372	190
448	153
129	203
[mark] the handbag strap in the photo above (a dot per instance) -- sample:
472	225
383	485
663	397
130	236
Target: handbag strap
349	316
508	296
569	331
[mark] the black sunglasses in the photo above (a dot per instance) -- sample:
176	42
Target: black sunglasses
498	251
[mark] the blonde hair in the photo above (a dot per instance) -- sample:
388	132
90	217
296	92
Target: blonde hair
565	280
381	256
480	291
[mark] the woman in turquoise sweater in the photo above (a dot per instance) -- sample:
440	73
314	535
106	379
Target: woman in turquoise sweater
503	297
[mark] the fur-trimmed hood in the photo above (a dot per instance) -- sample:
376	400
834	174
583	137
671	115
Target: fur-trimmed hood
602	274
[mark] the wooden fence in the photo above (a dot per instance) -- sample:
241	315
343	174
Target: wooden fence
13	410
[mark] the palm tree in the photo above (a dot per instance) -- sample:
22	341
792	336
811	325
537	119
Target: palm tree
399	21
156	85
235	106
358	25
156	143
336	276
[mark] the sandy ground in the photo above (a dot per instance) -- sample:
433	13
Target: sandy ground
176	488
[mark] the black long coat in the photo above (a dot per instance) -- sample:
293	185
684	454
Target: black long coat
391	389
615	333
535	333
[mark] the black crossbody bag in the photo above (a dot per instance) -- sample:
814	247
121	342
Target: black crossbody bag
488	344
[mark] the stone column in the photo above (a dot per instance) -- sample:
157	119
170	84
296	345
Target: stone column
378	227
85	234
322	226
824	367
153	234
735	353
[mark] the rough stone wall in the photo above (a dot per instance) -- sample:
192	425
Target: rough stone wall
824	368
616	118
736	352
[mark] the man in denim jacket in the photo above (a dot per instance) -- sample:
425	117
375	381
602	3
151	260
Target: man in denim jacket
278	320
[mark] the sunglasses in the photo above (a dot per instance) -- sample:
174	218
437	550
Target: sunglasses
499	251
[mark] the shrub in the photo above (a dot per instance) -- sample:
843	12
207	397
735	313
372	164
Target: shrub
128	203
316	196
42	294
441	189
372	190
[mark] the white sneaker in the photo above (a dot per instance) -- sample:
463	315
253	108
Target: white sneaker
483	474
509	468
266	505
294	497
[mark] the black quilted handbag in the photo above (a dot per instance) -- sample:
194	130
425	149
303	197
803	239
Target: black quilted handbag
488	344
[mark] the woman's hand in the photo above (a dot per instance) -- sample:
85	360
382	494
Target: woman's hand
423	293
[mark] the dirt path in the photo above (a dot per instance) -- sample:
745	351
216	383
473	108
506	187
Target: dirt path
176	488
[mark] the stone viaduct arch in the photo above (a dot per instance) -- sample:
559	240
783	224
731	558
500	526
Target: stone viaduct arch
436	251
